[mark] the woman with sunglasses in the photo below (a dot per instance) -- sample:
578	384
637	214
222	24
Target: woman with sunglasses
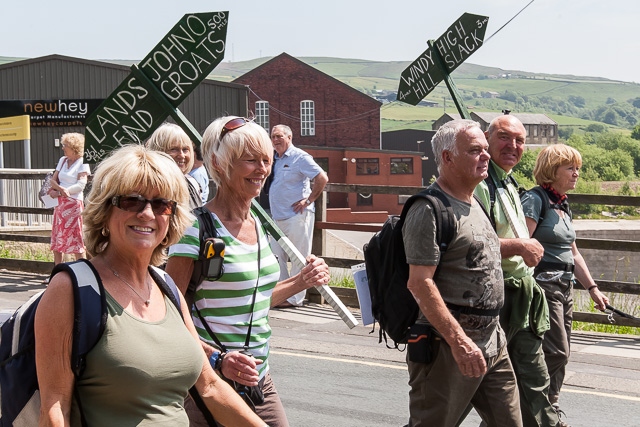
173	140
238	156
67	186
146	359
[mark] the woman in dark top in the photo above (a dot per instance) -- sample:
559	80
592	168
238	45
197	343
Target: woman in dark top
557	170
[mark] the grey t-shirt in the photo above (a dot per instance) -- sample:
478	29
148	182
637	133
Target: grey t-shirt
470	271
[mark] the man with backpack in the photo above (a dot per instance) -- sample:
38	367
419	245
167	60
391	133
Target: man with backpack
457	350
525	316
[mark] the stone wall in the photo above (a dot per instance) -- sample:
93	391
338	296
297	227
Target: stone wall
612	265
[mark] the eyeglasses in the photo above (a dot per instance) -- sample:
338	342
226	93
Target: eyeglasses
233	124
138	203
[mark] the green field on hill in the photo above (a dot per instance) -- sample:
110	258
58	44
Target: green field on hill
572	101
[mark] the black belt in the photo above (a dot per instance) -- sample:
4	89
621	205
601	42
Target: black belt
474	311
558	266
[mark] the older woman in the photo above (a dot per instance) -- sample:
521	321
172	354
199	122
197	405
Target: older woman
67	185
173	140
556	171
145	361
238	155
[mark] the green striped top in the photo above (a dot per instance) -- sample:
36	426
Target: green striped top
226	303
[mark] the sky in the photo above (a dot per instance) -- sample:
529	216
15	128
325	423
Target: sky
581	37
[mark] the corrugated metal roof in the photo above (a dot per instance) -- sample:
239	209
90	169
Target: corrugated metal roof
58	77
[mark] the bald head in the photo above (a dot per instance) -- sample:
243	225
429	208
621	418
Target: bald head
506	137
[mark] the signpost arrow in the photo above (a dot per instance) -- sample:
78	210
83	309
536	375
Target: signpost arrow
156	86
442	57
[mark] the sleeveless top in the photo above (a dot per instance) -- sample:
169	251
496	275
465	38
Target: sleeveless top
139	372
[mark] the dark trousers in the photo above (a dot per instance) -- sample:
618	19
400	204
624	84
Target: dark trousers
440	393
557	340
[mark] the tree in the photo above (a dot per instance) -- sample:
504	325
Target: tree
635	134
578	101
596	127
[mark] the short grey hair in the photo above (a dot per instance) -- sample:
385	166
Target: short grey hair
445	138
286	129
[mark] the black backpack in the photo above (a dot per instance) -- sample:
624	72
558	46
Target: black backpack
19	390
392	304
210	262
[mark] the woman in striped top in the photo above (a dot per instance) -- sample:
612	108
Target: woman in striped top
238	156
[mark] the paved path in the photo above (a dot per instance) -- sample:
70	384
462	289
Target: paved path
604	369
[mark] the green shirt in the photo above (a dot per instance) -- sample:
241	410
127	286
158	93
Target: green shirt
525	304
139	372
513	266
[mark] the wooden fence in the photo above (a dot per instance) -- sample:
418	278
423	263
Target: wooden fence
41	215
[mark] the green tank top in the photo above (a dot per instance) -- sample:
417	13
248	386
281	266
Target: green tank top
139	373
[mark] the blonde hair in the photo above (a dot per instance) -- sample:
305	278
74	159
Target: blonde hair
75	141
169	136
251	138
134	168
551	158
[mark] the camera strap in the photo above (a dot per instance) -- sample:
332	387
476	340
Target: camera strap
253	302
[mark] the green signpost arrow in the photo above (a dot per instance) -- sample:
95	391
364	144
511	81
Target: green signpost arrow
158	84
442	57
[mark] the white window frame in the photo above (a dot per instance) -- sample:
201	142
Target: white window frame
262	114
307	118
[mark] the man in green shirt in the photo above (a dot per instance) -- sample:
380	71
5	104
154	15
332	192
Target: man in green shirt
525	316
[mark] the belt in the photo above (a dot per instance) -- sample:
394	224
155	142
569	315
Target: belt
561	266
472	310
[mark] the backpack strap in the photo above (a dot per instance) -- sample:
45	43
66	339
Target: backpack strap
546	204
166	285
444	217
90	310
207	229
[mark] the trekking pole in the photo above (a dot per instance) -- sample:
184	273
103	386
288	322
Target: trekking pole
610	310
296	258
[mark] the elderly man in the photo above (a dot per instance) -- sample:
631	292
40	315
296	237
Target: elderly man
466	361
525	316
291	199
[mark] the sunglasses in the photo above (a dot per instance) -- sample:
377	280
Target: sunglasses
138	203
233	124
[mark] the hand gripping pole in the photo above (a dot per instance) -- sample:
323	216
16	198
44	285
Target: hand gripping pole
296	257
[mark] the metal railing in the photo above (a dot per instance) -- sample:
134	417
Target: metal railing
616	287
25	211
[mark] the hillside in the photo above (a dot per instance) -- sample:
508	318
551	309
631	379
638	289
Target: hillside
572	101
575	101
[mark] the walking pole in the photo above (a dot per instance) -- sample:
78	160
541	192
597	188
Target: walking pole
296	258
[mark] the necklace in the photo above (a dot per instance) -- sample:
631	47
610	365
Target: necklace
147	301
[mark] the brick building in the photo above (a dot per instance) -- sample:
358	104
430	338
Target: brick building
321	111
338	125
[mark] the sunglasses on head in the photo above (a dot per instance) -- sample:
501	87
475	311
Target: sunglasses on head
233	124
138	203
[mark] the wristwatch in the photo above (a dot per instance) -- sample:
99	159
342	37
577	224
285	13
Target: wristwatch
216	359
308	202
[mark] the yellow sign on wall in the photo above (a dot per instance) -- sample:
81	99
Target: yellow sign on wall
16	128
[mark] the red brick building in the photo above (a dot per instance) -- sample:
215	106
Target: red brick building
321	111
338	125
